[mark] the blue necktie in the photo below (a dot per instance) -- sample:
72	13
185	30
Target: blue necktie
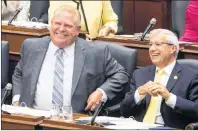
57	93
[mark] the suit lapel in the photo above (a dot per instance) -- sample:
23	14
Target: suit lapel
79	59
173	77
150	75
38	61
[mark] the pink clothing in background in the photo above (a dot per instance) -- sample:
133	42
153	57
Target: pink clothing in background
190	33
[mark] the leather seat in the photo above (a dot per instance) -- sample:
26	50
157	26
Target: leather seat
39	10
117	6
127	57
4	63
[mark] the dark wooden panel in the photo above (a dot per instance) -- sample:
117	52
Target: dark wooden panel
128	16
138	13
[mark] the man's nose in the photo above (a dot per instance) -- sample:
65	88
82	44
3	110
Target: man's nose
62	28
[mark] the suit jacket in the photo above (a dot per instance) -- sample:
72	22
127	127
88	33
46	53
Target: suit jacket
185	87
93	67
103	15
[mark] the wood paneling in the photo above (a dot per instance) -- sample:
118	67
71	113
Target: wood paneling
138	13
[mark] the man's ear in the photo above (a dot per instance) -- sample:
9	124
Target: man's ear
174	49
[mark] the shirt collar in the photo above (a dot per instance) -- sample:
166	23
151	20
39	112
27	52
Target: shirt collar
69	50
168	69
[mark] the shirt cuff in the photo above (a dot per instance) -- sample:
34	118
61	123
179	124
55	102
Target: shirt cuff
104	95
171	101
138	98
15	98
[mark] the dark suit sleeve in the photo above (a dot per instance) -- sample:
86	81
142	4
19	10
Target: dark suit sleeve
189	106
115	75
17	76
128	105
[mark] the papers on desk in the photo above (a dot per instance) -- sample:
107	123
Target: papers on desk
27	24
120	123
25	111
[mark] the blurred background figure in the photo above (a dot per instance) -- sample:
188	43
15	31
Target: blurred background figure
9	7
190	33
101	19
32	10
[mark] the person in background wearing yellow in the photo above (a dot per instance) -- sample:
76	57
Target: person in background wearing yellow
101	19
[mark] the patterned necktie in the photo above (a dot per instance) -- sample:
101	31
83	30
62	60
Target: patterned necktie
151	112
57	93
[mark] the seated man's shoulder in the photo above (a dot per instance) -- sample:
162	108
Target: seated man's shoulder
189	71
29	41
145	69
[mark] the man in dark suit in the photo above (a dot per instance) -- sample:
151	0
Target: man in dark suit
66	70
164	93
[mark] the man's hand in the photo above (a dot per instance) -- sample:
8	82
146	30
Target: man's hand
105	31
158	89
94	100
143	90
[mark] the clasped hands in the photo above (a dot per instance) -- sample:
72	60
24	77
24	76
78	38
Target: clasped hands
154	89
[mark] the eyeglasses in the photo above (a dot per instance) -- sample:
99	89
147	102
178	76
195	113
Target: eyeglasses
158	44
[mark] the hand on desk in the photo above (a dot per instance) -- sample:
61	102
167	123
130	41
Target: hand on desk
94	100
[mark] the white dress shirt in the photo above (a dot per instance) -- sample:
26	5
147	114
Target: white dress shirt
43	94
171	100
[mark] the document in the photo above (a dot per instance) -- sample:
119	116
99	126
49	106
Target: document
28	24
120	123
25	111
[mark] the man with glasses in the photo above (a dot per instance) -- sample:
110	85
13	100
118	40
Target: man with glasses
166	92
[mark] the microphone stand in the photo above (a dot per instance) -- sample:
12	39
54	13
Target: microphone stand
83	12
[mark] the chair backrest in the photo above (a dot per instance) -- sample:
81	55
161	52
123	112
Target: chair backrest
127	57
117	6
178	15
39	10
4	63
192	63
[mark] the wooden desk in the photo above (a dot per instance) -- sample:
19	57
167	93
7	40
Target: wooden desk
190	52
20	122
16	35
59	124
186	51
142	47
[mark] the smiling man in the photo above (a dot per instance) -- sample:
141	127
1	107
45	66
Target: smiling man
165	93
64	69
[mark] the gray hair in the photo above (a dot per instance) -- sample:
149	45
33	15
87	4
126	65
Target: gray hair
69	9
170	37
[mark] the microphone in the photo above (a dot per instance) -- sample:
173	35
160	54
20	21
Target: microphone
148	28
7	92
15	15
97	111
5	2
